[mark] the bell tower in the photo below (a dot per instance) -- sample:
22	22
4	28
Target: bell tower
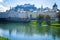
55	7
41	8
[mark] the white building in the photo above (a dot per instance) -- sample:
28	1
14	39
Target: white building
20	13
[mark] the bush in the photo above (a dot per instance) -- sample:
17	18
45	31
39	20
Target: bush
2	38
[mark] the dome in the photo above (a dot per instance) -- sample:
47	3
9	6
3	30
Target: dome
55	5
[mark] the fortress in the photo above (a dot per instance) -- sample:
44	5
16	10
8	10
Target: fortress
28	11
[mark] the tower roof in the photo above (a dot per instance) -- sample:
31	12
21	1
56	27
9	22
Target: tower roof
55	5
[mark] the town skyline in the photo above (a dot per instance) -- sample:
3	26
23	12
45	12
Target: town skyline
6	4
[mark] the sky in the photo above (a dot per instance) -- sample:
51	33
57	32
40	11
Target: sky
6	4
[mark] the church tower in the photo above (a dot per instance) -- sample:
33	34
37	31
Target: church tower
41	8
55	7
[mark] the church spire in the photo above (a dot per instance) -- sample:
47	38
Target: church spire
41	7
10	8
55	7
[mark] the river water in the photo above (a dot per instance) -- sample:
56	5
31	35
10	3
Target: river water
26	31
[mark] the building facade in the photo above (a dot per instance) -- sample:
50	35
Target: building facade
21	13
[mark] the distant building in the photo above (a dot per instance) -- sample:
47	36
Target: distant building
27	11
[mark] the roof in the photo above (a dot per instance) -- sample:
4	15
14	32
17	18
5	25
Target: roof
55	5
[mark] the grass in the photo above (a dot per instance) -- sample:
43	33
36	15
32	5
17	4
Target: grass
58	25
53	23
2	38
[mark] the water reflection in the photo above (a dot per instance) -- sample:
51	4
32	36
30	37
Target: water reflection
25	31
56	33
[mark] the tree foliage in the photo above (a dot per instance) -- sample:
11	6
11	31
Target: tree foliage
47	16
58	14
39	16
47	19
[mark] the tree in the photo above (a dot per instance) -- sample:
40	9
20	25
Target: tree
40	18
58	16
47	19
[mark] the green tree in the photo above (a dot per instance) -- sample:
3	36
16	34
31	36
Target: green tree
58	16
47	19
40	18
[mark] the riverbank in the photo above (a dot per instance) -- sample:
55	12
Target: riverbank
52	23
2	38
20	20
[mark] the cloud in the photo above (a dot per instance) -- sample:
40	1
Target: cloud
3	8
1	0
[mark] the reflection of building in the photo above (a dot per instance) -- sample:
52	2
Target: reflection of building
20	11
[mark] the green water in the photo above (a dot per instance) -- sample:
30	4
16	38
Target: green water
26	31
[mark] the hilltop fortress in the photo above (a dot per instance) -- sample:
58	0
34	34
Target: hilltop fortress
28	11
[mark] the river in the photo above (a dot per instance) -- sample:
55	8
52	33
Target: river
26	31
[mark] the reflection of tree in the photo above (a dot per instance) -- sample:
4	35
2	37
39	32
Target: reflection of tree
56	32
28	29
47	29
25	28
21	27
10	31
42	30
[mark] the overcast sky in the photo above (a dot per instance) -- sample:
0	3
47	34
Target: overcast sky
5	4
